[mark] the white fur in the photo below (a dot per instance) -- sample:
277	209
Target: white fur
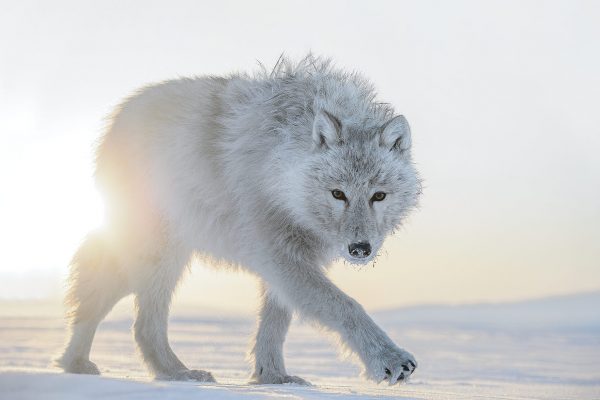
233	170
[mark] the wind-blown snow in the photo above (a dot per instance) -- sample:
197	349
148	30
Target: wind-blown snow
543	349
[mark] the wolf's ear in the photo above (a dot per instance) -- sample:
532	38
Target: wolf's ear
395	134
327	130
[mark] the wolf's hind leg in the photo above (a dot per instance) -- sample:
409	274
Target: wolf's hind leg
152	302
75	358
267	350
95	286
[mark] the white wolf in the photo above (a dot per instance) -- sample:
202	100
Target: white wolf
278	173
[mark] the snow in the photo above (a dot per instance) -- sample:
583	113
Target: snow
542	349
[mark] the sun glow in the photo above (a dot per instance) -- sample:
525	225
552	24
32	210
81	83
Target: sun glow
51	204
505	129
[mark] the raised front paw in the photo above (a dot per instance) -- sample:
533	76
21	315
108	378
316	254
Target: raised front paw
393	365
276	378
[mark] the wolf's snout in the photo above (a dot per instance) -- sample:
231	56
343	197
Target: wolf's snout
360	249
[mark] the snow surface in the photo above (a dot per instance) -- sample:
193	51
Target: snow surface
543	349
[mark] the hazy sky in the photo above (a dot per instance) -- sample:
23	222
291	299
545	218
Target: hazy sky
503	99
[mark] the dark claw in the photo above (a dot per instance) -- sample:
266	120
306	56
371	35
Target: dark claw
388	373
405	368
413	365
401	377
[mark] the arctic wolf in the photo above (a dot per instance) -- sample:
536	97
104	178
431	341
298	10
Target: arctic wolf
279	173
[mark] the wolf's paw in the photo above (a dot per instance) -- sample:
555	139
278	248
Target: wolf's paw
394	365
79	366
276	378
188	375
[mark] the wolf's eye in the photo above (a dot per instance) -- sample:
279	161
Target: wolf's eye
338	194
378	196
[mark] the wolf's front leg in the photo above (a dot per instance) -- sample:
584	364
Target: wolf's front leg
267	351
316	297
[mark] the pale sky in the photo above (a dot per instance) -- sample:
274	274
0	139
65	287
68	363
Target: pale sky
503	99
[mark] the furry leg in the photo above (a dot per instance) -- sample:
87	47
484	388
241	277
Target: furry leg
76	357
267	352
96	284
152	302
309	291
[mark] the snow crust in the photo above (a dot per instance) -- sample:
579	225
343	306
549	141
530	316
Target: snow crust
543	349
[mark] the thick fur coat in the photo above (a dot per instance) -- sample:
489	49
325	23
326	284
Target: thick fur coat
278	173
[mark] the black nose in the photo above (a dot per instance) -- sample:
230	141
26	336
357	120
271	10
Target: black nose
360	249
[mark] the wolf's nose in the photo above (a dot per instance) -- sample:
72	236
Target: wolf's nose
360	249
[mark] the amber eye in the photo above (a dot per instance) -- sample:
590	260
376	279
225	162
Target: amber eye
378	196
338	194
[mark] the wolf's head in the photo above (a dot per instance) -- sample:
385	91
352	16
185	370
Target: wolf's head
359	184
